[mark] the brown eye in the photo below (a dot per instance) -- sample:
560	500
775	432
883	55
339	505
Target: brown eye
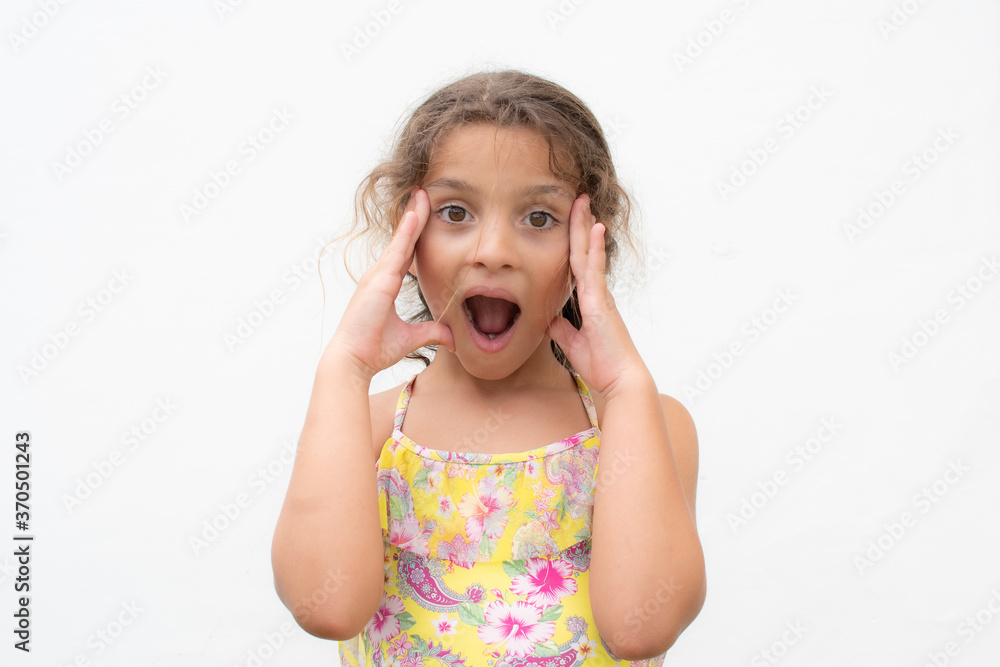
538	218
455	213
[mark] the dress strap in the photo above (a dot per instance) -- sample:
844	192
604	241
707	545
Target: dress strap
401	404
588	401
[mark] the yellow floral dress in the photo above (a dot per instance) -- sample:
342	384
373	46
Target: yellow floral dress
486	556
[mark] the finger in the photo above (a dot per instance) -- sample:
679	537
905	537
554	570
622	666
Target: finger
395	257
433	333
579	236
421	207
597	258
562	332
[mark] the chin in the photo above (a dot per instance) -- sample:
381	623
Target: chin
493	369
492	366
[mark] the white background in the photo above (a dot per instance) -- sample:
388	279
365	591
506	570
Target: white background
678	129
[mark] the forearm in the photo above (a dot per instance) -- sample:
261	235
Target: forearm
327	551
647	576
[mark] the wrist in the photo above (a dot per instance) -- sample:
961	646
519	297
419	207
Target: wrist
341	366
631	383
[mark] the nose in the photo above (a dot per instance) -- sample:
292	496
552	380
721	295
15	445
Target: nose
496	244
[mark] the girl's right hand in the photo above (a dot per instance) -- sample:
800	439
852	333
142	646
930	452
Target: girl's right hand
371	333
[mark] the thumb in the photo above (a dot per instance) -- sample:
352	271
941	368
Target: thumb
433	333
562	332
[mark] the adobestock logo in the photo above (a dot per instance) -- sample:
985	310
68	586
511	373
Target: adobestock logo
219	180
712	30
751	331
224	7
780	647
132	439
923	502
883	199
561	13
33	24
264	308
88	310
331	585
797	457
230	511
271	643
663	594
363	35
958	298
900	15
122	107
786	127
102	639
968	629
474	441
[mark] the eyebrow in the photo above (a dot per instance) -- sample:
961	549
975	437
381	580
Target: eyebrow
542	189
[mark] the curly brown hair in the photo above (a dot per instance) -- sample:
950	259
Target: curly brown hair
506	98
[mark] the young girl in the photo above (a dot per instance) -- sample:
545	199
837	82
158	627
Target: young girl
528	498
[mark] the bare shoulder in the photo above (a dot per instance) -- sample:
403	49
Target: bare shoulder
683	443
683	440
680	424
382	407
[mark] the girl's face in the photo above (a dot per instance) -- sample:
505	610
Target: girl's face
493	259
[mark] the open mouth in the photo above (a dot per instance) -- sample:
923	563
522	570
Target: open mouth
492	317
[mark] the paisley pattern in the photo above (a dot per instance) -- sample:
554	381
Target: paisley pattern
486	556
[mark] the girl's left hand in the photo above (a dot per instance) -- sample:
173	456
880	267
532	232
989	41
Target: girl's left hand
601	351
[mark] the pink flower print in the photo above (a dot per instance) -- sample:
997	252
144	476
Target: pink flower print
574	476
445	507
457	551
444	625
462	470
531	468
532	540
546	582
401	645
486	512
412	660
543	496
550	519
407	534
576	625
585	648
384	624
515	625
476	593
